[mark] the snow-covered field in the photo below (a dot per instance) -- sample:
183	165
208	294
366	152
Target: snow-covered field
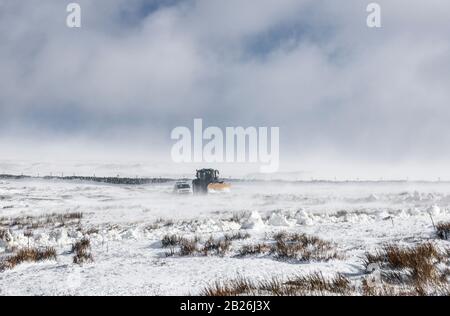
125	225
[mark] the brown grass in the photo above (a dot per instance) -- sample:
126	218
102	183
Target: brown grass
314	284
387	289
303	247
239	217
82	251
443	230
237	236
160	223
258	249
239	286
186	246
27	255
415	266
294	246
92	231
384	289
189	247
171	241
82	245
3	234
218	247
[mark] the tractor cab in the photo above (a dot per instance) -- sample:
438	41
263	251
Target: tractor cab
207	180
208	174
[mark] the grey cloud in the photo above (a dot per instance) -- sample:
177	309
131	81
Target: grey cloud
311	67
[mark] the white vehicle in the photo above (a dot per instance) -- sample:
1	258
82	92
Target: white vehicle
182	187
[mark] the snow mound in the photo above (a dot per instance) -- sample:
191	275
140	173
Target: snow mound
417	196
383	215
75	234
62	237
5	240
254	221
363	218
113	235
278	220
43	239
227	226
372	198
414	211
13	239
207	226
303	218
351	218
434	210
403	214
131	233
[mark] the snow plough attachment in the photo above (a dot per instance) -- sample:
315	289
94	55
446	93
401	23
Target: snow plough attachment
207	181
218	187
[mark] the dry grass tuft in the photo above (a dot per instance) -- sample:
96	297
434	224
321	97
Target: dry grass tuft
82	251
160	223
28	255
218	247
413	266
383	289
237	236
294	246
443	230
92	231
76	215
303	247
189	247
314	284
3	234
186	246
171	241
164	222
239	286
258	249
387	289
238	217
82	245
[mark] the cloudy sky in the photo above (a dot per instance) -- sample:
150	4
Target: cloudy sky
342	94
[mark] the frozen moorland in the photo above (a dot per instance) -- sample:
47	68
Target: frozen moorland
319	238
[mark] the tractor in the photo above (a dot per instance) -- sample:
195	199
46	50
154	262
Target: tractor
207	180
